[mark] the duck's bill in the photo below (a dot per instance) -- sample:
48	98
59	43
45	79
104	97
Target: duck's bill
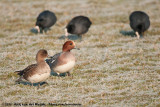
49	56
77	48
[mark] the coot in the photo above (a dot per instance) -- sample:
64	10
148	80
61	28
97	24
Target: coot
78	25
45	20
139	22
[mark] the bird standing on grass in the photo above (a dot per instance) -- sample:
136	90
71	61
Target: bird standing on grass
139	22
38	72
63	62
45	20
78	25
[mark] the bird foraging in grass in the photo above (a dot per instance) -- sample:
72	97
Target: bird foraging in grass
78	25
63	62
38	72
45	20
139	22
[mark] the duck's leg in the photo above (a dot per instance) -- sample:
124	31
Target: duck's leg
46	83
32	84
38	85
68	73
19	80
138	36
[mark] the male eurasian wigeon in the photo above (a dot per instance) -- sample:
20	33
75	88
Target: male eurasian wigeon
139	22
78	25
38	72
63	62
45	20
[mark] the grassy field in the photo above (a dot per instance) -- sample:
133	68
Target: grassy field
111	69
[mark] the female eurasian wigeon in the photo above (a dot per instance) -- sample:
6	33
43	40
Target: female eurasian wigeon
63	62
38	72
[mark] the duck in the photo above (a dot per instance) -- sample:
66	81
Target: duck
36	73
45	20
139	22
78	25
64	61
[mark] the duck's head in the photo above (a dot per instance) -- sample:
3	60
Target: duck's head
41	55
68	45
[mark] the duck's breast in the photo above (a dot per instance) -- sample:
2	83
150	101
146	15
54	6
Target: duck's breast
38	77
65	62
65	67
40	74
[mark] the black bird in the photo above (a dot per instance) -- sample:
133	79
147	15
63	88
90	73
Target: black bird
139	22
78	25
45	20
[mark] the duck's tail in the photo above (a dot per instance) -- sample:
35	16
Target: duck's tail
19	79
20	73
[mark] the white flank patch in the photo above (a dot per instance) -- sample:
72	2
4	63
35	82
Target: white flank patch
39	77
65	68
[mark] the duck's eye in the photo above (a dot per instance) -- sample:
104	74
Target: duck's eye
70	43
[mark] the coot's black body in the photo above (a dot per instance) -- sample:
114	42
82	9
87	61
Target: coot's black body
79	25
139	22
46	19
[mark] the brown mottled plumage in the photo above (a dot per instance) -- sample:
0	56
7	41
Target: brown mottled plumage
36	73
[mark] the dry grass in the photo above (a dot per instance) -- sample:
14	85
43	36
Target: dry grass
111	69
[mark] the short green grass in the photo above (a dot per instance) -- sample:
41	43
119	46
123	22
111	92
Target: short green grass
111	69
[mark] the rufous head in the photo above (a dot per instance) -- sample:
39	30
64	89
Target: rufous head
68	45
41	55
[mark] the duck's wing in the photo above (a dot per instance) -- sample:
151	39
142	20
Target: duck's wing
27	69
52	59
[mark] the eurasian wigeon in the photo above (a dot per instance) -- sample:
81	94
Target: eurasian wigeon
78	25
45	20
63	62
38	72
139	22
